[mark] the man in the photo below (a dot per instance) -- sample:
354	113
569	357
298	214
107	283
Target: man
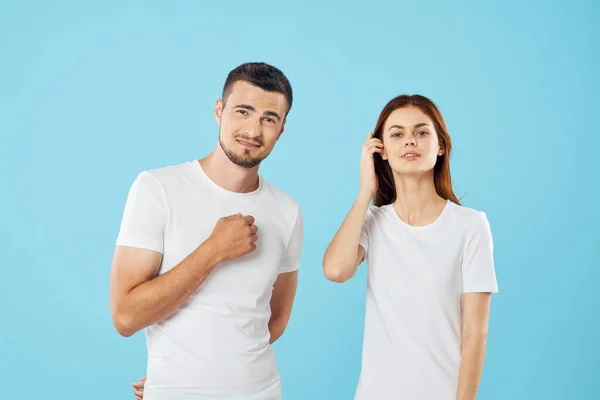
207	255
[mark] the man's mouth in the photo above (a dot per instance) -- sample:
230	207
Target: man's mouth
248	144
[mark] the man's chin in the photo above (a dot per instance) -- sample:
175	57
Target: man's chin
242	157
245	161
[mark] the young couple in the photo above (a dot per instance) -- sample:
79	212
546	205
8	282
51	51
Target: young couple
206	259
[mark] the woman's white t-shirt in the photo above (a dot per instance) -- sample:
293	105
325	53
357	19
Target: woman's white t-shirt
416	280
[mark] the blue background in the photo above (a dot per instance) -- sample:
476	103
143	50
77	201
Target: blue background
91	93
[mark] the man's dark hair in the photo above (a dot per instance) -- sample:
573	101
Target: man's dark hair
265	76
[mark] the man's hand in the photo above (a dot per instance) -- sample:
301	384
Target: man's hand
138	388
233	237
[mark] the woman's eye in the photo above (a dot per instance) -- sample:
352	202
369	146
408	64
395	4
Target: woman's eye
423	133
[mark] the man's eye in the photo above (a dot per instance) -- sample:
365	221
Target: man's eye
243	112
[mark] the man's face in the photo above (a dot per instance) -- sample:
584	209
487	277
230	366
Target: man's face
250	122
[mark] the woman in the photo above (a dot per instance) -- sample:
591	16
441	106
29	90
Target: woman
430	260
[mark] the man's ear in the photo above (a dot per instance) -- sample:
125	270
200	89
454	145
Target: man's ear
219	111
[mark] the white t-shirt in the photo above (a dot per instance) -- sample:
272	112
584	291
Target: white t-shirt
216	345
416	280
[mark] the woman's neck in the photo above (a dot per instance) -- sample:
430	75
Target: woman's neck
417	202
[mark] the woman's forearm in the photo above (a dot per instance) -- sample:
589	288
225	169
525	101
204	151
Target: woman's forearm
340	259
471	367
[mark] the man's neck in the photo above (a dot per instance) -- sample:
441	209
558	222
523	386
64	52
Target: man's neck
228	175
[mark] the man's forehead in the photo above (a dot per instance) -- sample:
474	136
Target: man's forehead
243	92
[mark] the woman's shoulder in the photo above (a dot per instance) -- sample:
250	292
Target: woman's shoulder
469	217
374	212
374	215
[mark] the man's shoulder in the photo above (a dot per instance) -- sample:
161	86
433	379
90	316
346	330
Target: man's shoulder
165	179
279	197
168	172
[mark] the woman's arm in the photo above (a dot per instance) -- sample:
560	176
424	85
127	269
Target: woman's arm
344	254
476	307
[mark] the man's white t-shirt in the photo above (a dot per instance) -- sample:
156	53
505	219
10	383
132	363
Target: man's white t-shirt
217	344
417	276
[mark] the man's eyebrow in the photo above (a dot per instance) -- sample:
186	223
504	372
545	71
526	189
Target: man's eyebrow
250	108
245	106
273	114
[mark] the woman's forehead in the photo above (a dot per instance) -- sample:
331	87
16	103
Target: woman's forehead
408	118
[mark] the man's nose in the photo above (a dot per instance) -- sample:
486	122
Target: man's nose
254	128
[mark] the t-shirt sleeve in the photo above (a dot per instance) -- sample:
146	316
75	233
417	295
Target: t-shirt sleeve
364	233
291	260
478	269
145	215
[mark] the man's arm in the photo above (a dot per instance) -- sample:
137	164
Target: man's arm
137	300
284	288
476	307
282	299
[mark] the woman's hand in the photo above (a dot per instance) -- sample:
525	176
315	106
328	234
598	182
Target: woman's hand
368	179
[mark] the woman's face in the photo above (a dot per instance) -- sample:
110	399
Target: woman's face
410	142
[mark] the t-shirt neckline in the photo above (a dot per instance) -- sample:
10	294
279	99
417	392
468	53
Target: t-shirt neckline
202	174
440	217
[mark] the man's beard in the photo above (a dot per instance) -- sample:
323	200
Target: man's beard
245	160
